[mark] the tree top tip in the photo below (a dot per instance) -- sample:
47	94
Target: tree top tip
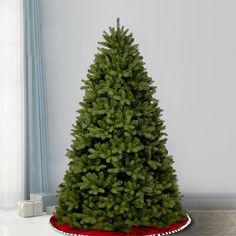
118	22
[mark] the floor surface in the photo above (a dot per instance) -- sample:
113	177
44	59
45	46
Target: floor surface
211	223
205	223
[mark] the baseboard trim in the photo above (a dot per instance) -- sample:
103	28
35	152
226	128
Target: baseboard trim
209	201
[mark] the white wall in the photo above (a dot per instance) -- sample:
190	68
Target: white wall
189	49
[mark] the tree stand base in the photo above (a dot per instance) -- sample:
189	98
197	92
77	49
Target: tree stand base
66	229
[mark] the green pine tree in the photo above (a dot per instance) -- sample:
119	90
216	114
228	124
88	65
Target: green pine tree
120	173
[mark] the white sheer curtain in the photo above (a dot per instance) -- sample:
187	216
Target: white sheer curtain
11	103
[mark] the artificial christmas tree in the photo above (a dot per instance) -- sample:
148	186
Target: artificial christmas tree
120	174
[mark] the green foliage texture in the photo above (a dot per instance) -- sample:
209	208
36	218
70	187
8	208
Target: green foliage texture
120	174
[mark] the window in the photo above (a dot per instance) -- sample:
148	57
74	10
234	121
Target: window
11	103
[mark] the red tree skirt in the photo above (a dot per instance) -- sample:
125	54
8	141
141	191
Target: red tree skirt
137	231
